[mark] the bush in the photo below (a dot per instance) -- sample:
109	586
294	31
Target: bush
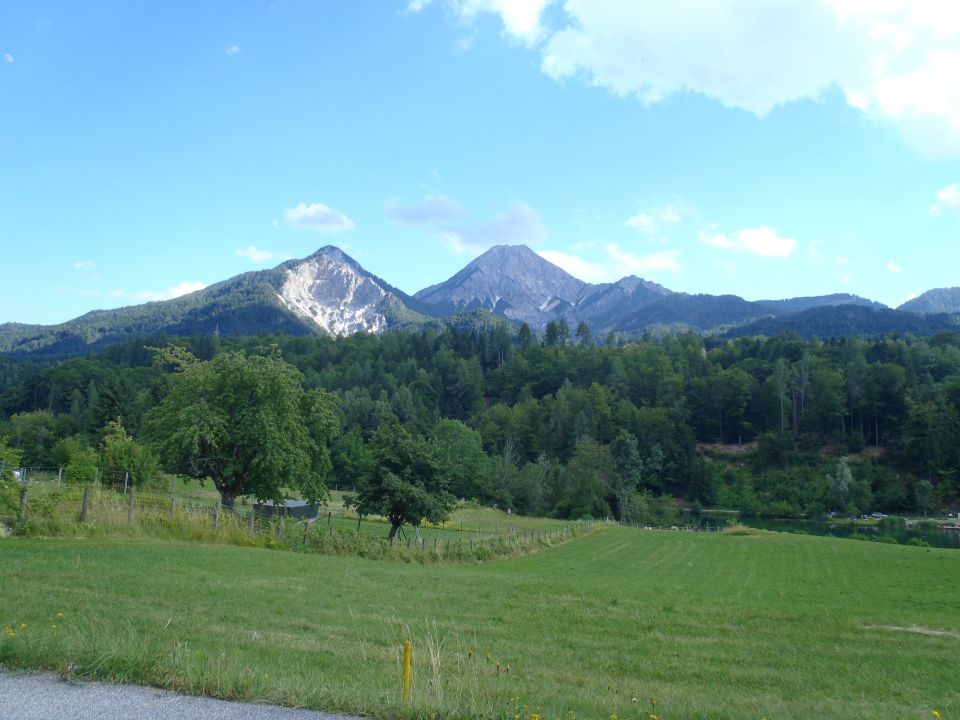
918	542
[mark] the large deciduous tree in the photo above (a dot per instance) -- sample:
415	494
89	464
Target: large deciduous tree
246	423
408	482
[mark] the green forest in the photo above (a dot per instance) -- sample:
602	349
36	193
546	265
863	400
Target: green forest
560	424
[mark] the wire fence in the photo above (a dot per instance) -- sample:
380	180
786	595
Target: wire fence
47	503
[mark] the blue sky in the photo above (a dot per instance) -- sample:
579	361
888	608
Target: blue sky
721	146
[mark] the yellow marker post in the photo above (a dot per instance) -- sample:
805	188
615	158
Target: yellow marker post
407	656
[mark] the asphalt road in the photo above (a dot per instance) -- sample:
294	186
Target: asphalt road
45	697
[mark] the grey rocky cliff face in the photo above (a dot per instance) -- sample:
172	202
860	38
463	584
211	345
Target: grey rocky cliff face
332	291
512	281
515	282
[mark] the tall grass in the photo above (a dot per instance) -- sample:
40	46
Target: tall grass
56	512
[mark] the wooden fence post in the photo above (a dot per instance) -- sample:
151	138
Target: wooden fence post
85	508
216	518
306	534
23	503
130	508
59	477
253	512
126	482
173	504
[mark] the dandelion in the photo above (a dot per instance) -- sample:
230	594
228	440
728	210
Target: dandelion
54	627
59	614
935	713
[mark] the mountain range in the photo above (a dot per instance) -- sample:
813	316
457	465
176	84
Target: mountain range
329	292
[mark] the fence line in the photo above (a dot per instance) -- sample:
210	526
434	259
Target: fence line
119	507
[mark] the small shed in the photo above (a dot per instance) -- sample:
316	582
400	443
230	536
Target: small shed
290	508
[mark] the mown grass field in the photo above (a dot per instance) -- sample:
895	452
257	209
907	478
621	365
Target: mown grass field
710	626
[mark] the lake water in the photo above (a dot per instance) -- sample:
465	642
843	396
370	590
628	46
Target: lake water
934	536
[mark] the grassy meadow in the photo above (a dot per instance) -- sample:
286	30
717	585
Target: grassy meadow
709	626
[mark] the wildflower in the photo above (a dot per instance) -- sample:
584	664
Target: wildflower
653	702
54	627
935	714
59	614
23	626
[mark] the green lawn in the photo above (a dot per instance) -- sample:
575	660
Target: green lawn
711	626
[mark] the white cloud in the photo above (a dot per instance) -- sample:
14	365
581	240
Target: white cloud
416	6
893	267
232	50
947	199
317	217
85	266
183	288
433	209
616	264
255	254
628	263
592	272
893	59
908	298
519	224
520	18
653	221
762	241
841	260
8	57
766	242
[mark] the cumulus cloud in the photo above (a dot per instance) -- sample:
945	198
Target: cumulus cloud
255	254
947	199
762	241
894	59
631	264
433	209
317	217
84	266
519	224
176	291
893	267
232	50
653	221
8	57
615	263
589	271
415	6
520	18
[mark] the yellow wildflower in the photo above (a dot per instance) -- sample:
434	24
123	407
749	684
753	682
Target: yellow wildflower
936	714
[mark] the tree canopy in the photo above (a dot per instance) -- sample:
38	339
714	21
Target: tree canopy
246	423
408	481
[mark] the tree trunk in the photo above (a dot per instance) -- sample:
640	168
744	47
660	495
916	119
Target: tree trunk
394	527
227	498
